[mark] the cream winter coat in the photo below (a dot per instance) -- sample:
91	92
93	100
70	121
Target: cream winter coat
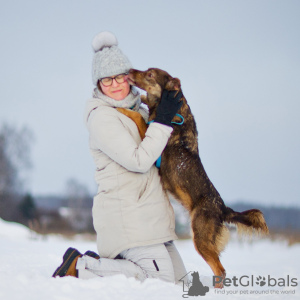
130	208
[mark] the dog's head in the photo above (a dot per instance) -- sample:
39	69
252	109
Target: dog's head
153	81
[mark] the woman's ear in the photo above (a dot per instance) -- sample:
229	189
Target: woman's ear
173	84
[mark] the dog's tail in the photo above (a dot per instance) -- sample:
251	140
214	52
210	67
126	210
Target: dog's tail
247	221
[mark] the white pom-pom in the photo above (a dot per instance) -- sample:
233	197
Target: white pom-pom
104	39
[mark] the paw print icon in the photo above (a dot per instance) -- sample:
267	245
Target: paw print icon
261	281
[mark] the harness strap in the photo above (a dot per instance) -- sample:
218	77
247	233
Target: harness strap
178	115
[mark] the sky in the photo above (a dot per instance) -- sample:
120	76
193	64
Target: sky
239	66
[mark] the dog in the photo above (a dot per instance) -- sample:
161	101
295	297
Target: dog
183	175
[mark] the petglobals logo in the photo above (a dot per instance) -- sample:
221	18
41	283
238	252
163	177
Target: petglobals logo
195	287
243	285
255	281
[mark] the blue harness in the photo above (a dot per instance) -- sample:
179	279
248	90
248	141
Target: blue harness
158	162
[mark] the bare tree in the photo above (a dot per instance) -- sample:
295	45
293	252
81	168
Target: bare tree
14	161
75	192
78	202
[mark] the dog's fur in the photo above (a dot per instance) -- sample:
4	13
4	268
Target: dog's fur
183	175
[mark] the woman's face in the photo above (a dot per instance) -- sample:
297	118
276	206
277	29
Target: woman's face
116	91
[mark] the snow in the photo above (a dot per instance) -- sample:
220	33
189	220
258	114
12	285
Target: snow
27	262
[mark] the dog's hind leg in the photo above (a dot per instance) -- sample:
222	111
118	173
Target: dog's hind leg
209	239
136	118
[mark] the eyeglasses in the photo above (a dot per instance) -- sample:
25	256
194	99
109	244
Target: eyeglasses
107	81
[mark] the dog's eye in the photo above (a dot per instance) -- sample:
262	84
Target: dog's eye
150	75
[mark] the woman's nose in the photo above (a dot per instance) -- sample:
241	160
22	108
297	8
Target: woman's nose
114	82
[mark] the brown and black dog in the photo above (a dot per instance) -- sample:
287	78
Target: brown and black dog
183	175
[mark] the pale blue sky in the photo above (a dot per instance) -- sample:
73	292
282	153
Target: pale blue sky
238	62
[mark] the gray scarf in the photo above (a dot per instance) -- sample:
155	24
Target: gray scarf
132	101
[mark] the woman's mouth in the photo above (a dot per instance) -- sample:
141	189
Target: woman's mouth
117	91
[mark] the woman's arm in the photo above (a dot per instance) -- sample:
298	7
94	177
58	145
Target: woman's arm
109	135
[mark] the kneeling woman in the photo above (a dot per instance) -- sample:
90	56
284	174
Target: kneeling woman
132	216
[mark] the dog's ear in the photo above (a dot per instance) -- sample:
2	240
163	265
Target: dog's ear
173	84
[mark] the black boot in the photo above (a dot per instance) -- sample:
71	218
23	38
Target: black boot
68	266
92	254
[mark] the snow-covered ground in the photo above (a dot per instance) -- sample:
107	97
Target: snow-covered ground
28	261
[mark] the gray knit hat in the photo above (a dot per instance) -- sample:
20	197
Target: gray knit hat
108	58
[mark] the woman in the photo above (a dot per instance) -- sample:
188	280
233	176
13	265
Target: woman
132	216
